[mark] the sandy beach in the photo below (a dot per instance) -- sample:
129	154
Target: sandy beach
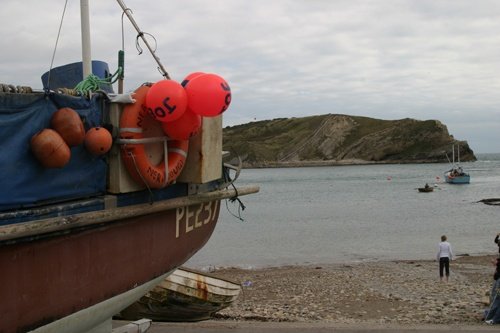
390	292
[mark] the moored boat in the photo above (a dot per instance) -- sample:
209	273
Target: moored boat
89	223
456	175
426	189
185	295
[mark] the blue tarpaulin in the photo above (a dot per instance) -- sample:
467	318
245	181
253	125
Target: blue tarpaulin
24	182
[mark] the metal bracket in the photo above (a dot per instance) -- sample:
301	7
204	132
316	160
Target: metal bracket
138	326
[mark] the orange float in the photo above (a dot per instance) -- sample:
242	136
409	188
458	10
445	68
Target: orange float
138	133
68	124
183	128
50	149
98	141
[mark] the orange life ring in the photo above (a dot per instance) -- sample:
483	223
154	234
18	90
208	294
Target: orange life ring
138	128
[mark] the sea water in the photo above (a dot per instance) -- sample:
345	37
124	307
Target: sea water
339	214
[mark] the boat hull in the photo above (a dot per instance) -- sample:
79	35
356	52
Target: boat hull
464	179
49	278
185	295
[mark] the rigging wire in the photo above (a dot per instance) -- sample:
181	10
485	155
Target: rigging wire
140	34
55	47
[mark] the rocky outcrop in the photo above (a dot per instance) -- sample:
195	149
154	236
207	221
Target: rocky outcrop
342	139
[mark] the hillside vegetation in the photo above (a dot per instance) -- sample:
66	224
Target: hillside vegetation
341	139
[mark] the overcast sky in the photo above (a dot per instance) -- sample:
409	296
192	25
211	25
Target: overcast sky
387	59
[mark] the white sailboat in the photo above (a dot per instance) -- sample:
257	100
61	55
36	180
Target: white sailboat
456	175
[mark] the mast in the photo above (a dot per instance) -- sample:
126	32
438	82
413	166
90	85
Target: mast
453	154
86	54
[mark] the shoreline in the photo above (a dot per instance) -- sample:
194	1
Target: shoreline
391	292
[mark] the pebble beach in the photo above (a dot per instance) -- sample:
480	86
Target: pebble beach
383	292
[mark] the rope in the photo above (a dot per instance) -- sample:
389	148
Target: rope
10	88
241	206
141	34
92	82
151	195
55	47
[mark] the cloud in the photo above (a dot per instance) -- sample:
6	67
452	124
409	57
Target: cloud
286	58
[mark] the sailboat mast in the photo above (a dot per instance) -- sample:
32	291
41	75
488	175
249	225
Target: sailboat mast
453	148
86	54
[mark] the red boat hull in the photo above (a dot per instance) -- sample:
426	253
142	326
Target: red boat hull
47	279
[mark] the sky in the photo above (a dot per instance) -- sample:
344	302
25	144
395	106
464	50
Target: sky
385	59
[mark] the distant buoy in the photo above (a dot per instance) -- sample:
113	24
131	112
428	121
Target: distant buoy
68	124
98	141
50	148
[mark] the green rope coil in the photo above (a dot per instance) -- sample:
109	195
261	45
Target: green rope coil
93	83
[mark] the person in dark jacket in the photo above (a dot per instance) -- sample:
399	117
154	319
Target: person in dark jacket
498	241
493	313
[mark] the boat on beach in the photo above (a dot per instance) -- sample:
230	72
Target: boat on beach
186	295
456	175
90	221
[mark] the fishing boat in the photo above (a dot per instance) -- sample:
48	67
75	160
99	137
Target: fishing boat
185	295
456	175
96	208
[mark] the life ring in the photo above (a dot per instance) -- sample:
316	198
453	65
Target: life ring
138	131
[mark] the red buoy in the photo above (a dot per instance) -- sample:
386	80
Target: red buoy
167	100
208	95
183	128
50	149
98	141
68	124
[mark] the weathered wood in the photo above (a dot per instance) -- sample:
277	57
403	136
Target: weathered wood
204	161
26	229
119	180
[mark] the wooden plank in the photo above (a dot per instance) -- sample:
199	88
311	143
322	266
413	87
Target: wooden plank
61	223
119	180
204	161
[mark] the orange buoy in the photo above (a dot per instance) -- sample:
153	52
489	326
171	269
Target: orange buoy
183	128
68	124
98	141
50	148
138	124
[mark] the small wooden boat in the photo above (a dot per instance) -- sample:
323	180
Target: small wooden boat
426	188
185	295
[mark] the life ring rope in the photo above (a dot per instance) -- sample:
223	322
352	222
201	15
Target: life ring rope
138	170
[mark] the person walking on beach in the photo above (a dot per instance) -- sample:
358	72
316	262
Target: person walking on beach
444	256
498	241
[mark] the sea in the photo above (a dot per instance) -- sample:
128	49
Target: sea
346	214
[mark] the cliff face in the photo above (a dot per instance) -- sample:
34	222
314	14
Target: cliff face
341	139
